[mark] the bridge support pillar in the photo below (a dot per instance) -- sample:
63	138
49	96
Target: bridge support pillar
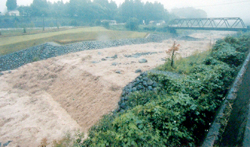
172	31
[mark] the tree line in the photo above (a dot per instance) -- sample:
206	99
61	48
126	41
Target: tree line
97	9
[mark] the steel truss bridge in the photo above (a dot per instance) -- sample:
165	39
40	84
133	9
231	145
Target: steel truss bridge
218	24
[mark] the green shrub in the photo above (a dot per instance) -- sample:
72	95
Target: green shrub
243	43
105	25
140	98
228	54
155	124
127	130
32	25
98	22
73	23
167	116
211	61
150	28
209	84
231	40
36	59
64	23
167	84
51	24
132	24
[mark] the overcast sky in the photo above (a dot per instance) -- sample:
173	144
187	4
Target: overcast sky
214	8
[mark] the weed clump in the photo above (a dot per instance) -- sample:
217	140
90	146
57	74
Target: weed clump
172	52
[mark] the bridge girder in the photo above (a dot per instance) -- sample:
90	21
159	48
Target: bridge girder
229	23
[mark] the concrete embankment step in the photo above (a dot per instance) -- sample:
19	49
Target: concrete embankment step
235	112
235	132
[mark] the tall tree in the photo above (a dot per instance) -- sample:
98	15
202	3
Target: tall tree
103	3
73	5
106	9
78	7
126	10
57	9
11	5
24	10
39	8
155	11
112	9
138	8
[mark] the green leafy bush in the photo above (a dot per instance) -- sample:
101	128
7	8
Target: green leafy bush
156	124
167	84
228	54
238	43
140	98
98	22
132	24
106	25
149	28
73	23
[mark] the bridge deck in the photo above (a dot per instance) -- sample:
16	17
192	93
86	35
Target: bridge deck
218	24
209	28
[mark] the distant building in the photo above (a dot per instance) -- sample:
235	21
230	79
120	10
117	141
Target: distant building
111	22
13	13
152	22
161	22
158	23
143	22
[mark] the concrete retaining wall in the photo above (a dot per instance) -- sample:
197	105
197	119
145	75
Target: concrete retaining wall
232	131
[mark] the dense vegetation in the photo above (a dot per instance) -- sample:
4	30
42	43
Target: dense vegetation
90	11
11	5
87	12
179	111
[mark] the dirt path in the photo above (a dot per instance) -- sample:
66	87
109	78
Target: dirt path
49	98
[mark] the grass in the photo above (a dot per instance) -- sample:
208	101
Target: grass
30	31
184	65
119	27
69	140
100	35
15	43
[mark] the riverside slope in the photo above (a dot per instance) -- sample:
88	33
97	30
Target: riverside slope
47	99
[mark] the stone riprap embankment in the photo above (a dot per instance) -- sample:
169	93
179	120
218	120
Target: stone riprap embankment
142	83
48	50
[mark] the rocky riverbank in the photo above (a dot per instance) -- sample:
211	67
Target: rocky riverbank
49	50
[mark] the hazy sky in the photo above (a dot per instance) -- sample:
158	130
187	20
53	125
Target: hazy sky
214	8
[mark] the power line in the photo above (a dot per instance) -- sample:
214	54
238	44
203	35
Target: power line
223	4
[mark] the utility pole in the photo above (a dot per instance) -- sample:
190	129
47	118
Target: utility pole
0	16
43	21
57	25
